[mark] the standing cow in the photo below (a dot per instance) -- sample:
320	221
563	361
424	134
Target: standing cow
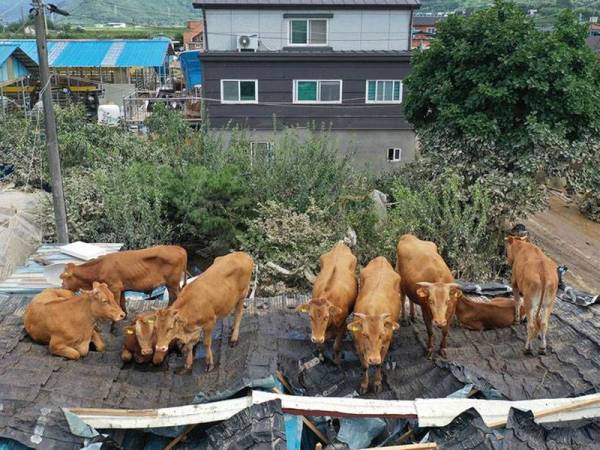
428	282
135	270
220	290
536	277
67	322
375	317
333	296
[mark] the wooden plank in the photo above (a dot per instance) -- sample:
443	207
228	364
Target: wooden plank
311	426
422	446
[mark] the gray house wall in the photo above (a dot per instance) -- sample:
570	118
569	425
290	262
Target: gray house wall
348	29
275	75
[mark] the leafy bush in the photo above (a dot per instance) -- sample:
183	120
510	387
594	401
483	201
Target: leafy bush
458	219
290	239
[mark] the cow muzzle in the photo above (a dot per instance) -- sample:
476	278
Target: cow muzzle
146	351
162	348
119	316
440	323
317	340
374	360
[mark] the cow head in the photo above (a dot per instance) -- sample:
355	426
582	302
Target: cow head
144	332
69	279
103	303
372	331
168	326
441	298
512	243
320	310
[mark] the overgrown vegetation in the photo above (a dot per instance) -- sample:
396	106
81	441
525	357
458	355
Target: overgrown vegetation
508	107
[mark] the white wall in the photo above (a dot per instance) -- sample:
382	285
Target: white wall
348	29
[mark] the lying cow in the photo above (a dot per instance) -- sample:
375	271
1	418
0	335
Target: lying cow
535	276
139	339
221	289
67	322
333	296
135	270
480	315
375	317
428	282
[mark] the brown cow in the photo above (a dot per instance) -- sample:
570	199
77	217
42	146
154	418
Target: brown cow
428	282
139	339
68	322
222	288
135	270
333	296
375	317
491	314
535	276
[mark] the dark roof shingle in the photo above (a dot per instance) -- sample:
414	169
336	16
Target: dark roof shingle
391	4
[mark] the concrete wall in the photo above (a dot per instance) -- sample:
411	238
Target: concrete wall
347	30
367	148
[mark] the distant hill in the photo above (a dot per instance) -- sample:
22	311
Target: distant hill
89	12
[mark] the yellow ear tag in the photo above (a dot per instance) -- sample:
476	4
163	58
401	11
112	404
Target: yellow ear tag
150	321
354	327
129	332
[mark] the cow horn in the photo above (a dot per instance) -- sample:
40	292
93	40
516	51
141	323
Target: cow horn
385	315
360	315
425	284
455	285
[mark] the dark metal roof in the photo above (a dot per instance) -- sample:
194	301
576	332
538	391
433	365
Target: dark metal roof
287	4
593	42
312	55
427	20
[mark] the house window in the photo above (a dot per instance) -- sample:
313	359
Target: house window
394	154
384	91
308	32
239	91
317	91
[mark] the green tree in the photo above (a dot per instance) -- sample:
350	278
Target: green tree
494	77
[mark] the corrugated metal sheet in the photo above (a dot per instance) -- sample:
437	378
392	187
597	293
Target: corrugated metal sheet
99	53
308	3
6	51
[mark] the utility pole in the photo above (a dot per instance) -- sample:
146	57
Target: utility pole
58	197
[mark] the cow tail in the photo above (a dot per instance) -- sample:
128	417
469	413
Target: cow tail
537	318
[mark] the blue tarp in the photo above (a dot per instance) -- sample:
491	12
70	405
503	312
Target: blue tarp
191	67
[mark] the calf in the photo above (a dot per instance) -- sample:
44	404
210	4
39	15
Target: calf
136	270
68	323
535	276
139	339
428	282
375	317
221	289
486	315
333	296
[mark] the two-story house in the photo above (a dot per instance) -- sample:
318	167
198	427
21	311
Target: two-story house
335	64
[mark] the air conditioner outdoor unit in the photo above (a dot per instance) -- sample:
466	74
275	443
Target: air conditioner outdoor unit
247	42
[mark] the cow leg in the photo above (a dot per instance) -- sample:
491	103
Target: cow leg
517	298
377	382
235	331
337	345
544	320
427	319
208	329
98	341
531	330
173	290
60	349
444	343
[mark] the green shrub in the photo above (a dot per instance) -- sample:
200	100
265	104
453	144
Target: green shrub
290	239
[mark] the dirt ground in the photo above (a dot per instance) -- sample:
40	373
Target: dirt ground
570	239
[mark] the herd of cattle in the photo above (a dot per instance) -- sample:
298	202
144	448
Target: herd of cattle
370	308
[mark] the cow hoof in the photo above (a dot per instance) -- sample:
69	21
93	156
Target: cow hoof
429	354
183	370
527	352
210	367
542	351
363	389
377	388
233	343
443	353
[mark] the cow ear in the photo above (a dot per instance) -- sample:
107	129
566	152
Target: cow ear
333	309
129	331
394	325
423	292
303	308
455	290
95	286
355	326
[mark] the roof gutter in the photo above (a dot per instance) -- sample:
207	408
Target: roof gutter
305	56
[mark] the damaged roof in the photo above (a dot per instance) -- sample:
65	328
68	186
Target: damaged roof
34	385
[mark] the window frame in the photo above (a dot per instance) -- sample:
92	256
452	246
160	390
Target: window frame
394	150
239	101
383	102
316	102
308	27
